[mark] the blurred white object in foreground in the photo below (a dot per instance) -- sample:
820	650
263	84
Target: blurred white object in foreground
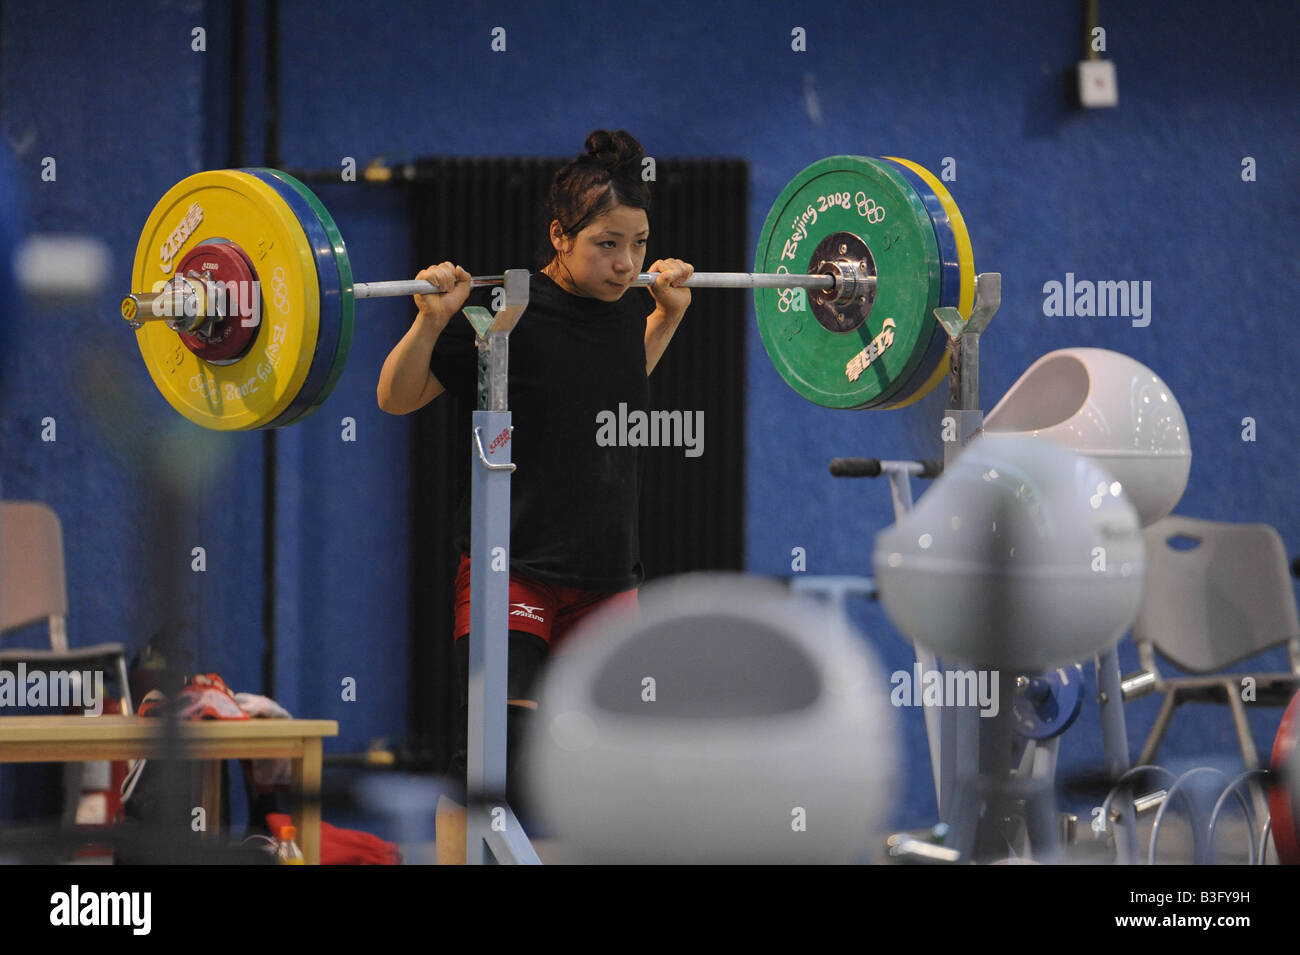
1022	556
728	721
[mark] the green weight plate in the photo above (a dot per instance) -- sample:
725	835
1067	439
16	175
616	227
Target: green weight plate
867	366
347	302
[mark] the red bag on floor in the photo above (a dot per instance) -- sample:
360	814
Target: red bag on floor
344	846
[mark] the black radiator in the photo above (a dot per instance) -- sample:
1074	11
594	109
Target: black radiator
487	214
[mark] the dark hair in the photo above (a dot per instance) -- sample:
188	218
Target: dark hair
607	174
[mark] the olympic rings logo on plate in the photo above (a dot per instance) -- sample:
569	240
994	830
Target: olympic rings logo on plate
279	290
867	208
790	298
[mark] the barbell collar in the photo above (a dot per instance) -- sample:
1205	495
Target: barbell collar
140	307
852	282
137	308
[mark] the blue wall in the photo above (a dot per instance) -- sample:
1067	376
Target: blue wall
1149	191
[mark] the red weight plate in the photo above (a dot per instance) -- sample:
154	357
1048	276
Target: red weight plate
1284	793
233	279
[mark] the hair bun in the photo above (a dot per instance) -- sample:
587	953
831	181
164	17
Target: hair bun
614	149
606	174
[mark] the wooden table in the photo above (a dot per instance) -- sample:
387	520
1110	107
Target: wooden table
72	739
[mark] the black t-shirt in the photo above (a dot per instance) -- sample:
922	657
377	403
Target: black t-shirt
574	504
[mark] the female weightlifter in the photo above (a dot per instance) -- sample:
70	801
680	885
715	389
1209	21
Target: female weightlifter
584	345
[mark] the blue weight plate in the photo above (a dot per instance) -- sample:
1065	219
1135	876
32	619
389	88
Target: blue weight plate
331	315
949	282
1051	702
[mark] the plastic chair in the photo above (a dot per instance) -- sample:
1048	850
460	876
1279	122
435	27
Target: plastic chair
33	589
1216	594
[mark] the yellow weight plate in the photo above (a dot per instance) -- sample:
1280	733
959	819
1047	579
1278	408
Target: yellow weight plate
965	260
254	390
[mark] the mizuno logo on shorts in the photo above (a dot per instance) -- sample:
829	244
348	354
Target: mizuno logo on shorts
523	610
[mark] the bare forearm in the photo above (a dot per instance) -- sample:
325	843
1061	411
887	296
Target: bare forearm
404	382
659	329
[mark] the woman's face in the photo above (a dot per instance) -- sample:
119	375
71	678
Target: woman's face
603	259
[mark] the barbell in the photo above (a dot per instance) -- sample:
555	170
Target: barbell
244	300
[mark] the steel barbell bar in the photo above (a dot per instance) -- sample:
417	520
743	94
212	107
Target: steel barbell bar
140	306
698	280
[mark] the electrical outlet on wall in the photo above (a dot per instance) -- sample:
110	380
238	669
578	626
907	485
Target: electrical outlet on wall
1098	85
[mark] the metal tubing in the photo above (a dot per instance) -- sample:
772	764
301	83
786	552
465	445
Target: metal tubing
478	444
1137	685
1199	849
138	307
1247	744
489	625
189	313
1250	775
1114	741
698	280
748	280
490	470
414	287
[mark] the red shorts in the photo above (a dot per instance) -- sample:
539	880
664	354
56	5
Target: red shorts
544	610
